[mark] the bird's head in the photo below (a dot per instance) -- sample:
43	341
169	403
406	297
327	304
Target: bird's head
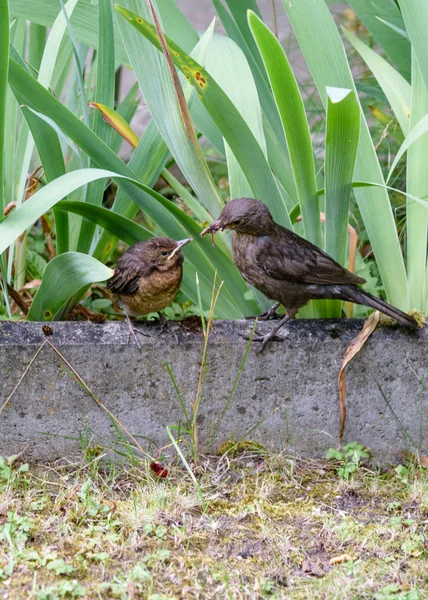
244	215
164	253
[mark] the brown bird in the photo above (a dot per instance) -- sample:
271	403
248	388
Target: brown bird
288	268
147	277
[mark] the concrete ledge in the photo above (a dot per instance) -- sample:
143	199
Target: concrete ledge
292	386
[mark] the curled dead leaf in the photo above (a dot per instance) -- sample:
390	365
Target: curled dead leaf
353	348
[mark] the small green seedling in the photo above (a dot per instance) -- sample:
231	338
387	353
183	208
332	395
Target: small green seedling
348	459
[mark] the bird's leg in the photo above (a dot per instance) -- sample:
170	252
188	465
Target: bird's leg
133	330
266	315
265	338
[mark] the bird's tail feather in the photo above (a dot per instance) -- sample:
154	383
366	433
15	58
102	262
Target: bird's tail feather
359	296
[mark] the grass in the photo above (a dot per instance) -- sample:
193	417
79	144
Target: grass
273	527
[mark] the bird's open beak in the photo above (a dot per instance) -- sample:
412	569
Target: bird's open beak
213	228
179	246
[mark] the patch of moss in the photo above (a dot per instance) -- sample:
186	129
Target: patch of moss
233	449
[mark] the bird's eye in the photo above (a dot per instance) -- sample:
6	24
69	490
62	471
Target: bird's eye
236	221
164	253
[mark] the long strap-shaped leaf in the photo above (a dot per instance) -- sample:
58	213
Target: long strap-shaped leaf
326	58
395	87
342	134
395	45
165	101
417	185
234	129
294	122
415	15
104	93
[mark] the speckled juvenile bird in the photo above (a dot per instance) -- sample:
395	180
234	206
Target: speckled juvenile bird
288	268
147	277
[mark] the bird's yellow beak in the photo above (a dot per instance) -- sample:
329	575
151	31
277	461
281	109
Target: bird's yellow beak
179	246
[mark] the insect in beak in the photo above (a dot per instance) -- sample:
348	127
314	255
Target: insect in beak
212	229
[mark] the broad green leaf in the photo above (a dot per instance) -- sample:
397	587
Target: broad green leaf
123	228
394	86
342	134
275	140
326	58
239	10
294	122
371	13
234	129
65	275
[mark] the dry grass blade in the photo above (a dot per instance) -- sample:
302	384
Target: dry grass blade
98	401
9	398
354	347
182	104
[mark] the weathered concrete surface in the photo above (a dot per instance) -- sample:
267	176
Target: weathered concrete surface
292	386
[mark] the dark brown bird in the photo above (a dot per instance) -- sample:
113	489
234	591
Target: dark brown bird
288	268
147	277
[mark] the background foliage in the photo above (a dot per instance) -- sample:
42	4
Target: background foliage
69	197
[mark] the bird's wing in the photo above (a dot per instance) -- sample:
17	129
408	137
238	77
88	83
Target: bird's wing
127	273
287	256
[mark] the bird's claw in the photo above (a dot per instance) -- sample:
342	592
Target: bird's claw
263	317
269	314
264	339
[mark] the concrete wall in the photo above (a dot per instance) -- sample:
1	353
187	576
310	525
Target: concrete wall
292	386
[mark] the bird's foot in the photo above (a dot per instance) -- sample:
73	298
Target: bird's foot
264	339
269	314
133	330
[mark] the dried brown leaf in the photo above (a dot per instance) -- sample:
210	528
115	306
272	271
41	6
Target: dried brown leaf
354	347
337	560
